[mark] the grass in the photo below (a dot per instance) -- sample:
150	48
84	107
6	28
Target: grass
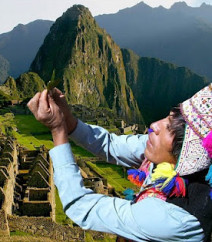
61	217
31	133
79	151
19	233
129	132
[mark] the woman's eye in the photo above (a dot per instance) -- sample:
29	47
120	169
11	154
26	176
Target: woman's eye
168	126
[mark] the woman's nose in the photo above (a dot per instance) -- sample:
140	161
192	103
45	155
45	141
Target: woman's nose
155	127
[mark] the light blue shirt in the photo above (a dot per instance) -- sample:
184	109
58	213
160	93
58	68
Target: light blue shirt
148	220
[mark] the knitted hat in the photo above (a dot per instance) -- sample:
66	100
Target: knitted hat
196	152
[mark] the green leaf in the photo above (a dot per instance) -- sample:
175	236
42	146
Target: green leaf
52	83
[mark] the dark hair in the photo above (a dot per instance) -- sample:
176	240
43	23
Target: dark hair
177	128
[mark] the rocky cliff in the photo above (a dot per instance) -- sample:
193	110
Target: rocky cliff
158	85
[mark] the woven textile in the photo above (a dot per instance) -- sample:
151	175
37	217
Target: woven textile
197	111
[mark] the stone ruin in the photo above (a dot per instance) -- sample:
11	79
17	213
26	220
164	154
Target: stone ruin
34	190
26	183
92	179
8	172
27	193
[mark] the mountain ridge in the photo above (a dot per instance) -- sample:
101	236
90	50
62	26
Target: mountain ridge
20	45
180	35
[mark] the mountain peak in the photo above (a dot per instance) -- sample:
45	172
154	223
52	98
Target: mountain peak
19	27
179	6
204	5
138	7
142	5
75	11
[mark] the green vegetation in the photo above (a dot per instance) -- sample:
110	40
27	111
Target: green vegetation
19	233
79	151
129	132
158	86
52	83
61	217
24	87
30	133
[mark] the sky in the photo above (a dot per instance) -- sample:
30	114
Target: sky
14	12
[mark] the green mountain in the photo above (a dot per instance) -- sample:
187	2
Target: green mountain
157	85
24	87
88	63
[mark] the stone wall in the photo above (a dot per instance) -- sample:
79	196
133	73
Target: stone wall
9	153
4	229
44	227
41	226
35	176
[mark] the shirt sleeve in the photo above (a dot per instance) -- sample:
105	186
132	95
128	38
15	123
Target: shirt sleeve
148	220
125	150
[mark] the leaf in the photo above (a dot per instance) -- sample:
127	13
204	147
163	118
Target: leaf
52	83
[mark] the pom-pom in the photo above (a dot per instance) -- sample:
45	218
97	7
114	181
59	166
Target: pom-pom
169	187
207	144
180	187
136	176
129	194
168	181
164	170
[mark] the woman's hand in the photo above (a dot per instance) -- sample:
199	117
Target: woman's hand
47	112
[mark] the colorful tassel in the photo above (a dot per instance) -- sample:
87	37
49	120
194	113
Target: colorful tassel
207	144
167	180
129	194
165	171
180	187
136	176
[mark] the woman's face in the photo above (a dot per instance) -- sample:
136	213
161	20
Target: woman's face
159	144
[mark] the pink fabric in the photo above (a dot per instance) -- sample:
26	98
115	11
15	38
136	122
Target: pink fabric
207	143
